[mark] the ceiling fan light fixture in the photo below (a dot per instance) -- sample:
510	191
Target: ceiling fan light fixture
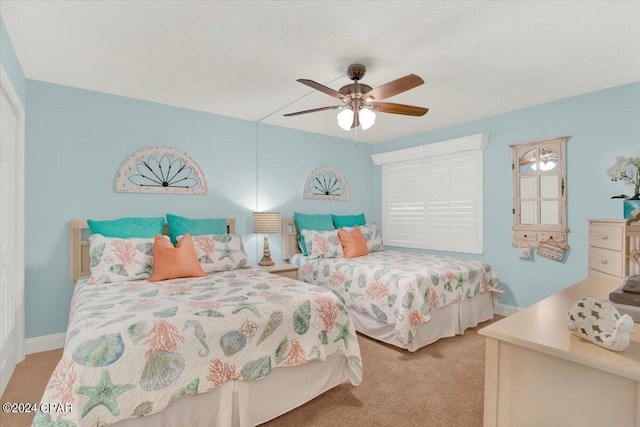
544	166
367	118
345	119
359	100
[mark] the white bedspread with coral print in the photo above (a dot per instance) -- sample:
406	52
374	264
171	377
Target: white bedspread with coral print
134	347
400	288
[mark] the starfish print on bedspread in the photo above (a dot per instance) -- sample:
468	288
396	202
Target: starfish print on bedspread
344	334
105	393
226	253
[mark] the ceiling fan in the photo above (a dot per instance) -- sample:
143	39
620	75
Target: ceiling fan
359	101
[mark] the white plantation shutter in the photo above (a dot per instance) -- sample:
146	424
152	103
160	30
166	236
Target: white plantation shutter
404	218
454	202
433	200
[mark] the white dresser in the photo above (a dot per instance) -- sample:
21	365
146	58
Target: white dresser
538	373
607	247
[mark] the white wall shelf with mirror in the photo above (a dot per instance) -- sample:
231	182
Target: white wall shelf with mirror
539	193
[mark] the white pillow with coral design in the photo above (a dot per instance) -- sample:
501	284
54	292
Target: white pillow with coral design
220	252
372	237
323	244
119	260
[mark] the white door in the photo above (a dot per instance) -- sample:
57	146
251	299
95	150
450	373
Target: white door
11	240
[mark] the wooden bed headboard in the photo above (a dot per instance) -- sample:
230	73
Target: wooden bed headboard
289	239
79	248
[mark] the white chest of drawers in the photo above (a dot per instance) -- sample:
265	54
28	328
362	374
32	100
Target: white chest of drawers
538	373
607	247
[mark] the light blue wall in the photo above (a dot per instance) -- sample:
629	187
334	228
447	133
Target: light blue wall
286	157
600	126
77	140
10	62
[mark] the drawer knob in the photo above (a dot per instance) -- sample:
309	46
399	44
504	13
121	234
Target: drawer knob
603	261
604	237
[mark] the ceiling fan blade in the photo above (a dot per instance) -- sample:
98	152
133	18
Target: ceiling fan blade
322	88
394	87
390	107
315	110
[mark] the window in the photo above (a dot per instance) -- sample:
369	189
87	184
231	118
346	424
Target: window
432	195
539	211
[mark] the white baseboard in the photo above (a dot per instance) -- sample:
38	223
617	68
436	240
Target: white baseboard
44	343
505	310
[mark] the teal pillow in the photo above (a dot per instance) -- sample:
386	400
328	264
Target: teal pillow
124	228
315	222
348	220
179	226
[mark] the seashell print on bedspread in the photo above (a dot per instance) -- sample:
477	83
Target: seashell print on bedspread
400	288
134	347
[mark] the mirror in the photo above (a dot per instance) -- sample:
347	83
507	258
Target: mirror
539	192
528	162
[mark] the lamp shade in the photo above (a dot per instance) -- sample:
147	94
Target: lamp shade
266	222
345	118
367	118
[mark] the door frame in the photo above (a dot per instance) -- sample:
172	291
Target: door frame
7	87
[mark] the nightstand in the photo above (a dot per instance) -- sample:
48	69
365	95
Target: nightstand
283	269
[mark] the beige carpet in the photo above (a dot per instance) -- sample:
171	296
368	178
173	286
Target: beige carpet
27	385
439	385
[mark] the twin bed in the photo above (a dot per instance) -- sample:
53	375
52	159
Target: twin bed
405	299
210	351
204	351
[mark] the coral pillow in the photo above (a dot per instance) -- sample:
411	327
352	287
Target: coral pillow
371	236
175	262
353	242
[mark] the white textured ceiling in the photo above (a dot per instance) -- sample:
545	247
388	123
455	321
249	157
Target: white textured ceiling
242	59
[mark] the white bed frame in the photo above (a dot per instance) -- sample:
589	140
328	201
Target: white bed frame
235	403
445	322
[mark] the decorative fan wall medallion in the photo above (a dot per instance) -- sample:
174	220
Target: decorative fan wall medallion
326	183
163	170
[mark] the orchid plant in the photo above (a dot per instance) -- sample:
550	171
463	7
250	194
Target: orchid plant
627	170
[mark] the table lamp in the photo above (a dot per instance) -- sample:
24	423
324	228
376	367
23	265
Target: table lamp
266	223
